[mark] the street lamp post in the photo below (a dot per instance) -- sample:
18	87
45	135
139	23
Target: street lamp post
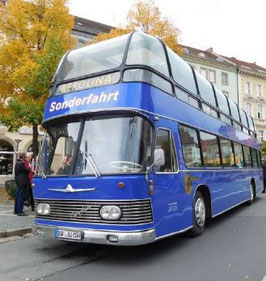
17	142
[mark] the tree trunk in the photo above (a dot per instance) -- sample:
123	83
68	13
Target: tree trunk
35	143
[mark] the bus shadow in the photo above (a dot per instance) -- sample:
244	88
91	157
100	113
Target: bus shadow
175	243
228	215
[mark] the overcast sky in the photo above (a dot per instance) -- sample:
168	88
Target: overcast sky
232	27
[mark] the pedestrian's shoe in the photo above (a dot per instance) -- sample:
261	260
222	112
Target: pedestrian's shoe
27	203
22	215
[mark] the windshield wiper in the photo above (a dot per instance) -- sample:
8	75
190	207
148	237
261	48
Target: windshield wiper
92	163
41	170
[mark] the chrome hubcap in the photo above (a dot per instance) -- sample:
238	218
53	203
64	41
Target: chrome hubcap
200	212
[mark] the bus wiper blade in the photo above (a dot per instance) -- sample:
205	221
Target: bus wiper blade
92	163
41	170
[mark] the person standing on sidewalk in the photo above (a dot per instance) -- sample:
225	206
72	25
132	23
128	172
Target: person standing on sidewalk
22	180
29	196
264	173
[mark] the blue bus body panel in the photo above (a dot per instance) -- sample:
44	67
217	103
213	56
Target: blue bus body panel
171	205
142	97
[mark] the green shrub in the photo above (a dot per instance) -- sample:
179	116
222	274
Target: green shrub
11	188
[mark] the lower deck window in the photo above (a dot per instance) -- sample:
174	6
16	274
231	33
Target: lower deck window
190	146
210	150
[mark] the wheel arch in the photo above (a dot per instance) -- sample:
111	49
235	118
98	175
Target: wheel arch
253	182
205	191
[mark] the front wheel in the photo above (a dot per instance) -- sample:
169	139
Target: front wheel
199	215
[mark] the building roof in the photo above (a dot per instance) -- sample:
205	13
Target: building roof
251	66
207	55
91	27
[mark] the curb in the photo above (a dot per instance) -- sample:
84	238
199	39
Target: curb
15	232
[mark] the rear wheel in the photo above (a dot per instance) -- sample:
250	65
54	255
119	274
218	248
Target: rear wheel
252	194
199	215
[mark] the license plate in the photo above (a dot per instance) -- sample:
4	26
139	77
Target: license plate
68	234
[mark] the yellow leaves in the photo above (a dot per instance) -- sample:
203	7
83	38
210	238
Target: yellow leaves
35	21
34	36
115	32
145	16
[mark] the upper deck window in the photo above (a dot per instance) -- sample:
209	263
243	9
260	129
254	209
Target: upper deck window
250	122
147	50
206	90
95	58
222	101
234	111
182	72
243	118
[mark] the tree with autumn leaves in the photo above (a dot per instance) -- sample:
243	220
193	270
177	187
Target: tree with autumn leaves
34	34
146	16
33	37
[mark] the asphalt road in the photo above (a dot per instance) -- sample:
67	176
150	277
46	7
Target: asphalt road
232	248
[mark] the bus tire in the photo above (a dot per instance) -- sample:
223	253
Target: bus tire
252	194
199	215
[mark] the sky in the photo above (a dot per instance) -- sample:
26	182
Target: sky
234	28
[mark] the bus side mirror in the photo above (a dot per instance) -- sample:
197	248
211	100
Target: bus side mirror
159	157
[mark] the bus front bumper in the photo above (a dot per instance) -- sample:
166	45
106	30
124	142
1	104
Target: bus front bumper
133	238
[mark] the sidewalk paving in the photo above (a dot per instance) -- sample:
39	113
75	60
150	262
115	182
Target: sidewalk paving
11	224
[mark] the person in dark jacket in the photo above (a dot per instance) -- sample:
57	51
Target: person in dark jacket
22	180
264	173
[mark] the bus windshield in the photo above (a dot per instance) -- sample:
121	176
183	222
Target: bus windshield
113	145
95	58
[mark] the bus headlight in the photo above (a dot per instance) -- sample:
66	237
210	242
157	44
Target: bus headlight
43	209
110	212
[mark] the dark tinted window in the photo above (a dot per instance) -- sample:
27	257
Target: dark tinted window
182	72
239	158
247	155
210	150
147	50
190	146
141	75
259	158
234	111
222	101
164	141
254	157
227	153
205	89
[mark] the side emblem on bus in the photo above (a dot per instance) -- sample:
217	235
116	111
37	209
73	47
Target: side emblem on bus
69	188
188	183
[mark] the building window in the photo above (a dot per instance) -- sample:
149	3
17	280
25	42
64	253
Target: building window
203	72
248	88
248	108
7	156
224	78
261	135
259	90
212	76
260	111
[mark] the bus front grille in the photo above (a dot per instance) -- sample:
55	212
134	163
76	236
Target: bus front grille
133	211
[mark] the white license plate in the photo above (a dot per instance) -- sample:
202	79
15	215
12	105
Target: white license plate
68	234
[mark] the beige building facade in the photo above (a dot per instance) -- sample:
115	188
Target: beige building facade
252	92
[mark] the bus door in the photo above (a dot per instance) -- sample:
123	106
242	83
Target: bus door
165	179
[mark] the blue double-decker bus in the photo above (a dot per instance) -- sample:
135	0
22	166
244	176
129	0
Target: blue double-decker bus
139	147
